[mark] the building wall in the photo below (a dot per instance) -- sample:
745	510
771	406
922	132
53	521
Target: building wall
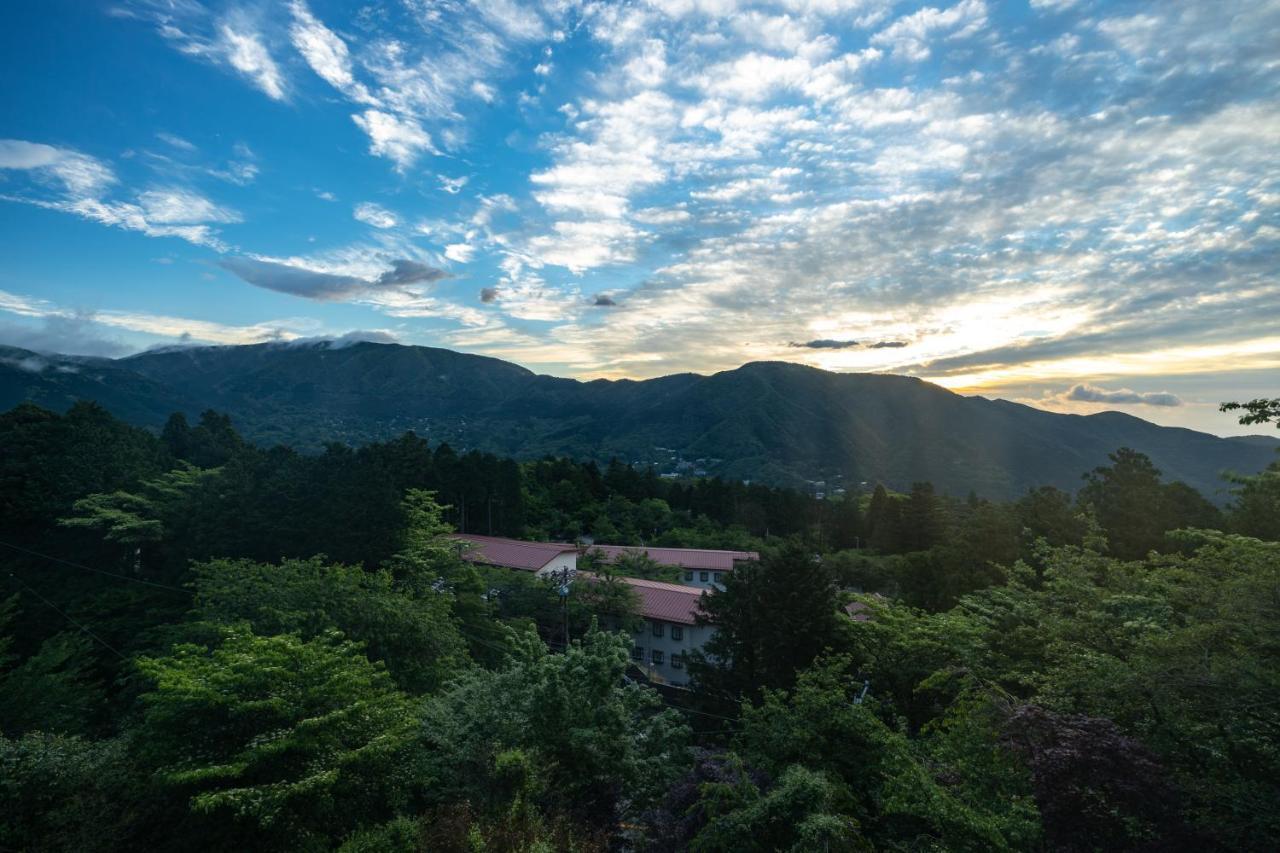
568	560
703	578
692	637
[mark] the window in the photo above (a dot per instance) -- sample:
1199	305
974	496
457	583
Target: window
637	653
677	632
656	656
657	629
677	661
688	576
719	576
702	576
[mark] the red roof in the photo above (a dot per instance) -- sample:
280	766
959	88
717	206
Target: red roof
685	558
666	602
512	553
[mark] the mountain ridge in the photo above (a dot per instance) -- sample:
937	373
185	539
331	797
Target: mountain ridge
772	421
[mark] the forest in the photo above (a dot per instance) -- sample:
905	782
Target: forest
262	649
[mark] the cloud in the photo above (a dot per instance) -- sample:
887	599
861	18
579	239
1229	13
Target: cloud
603	300
888	344
79	174
326	53
327	286
488	294
909	36
69	181
410	272
170	205
244	51
401	140
176	141
292	280
375	215
1085	393
825	343
72	334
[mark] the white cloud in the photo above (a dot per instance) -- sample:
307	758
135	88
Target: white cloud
375	215
176	141
326	53
173	205
245	52
910	36
402	140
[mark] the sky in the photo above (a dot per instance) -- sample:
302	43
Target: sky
1073	204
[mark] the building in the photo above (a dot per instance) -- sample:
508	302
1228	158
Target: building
541	558
662	645
669	633
703	568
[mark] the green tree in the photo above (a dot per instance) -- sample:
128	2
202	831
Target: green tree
284	742
771	620
412	632
892	794
1260	411
1125	496
589	745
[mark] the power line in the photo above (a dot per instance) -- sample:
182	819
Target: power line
83	567
61	613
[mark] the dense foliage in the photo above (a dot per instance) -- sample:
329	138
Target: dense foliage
207	644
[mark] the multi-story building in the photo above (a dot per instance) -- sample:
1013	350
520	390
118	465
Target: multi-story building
669	632
699	567
662	645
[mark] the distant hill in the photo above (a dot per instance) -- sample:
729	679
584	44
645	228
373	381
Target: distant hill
777	422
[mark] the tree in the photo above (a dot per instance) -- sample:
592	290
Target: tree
412	632
1260	411
1096	789
1127	500
772	619
823	726
577	739
55	690
138	521
295	741
884	522
922	523
1255	510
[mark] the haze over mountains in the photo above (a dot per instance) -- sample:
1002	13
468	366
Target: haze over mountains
773	421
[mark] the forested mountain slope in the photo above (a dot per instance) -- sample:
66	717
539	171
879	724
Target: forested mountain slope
778	422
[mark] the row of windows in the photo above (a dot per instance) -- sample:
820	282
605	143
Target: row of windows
656	656
677	632
703	576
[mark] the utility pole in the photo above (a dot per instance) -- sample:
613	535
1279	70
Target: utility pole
564	604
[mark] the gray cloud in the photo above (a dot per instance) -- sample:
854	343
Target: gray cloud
73	335
825	343
323	286
888	344
410	272
603	300
488	294
1085	393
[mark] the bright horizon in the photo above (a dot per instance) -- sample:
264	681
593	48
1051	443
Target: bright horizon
1067	203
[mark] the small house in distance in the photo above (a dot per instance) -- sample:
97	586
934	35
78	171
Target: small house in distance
703	568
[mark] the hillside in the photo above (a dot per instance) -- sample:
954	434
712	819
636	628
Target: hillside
778	422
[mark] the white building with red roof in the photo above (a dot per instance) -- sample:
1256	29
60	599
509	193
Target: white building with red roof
669	633
704	568
541	558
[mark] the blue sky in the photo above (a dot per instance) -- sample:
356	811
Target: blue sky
1070	203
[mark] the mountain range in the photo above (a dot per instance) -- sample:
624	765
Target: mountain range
769	421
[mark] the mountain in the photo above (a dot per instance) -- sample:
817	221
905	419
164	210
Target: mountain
771	421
